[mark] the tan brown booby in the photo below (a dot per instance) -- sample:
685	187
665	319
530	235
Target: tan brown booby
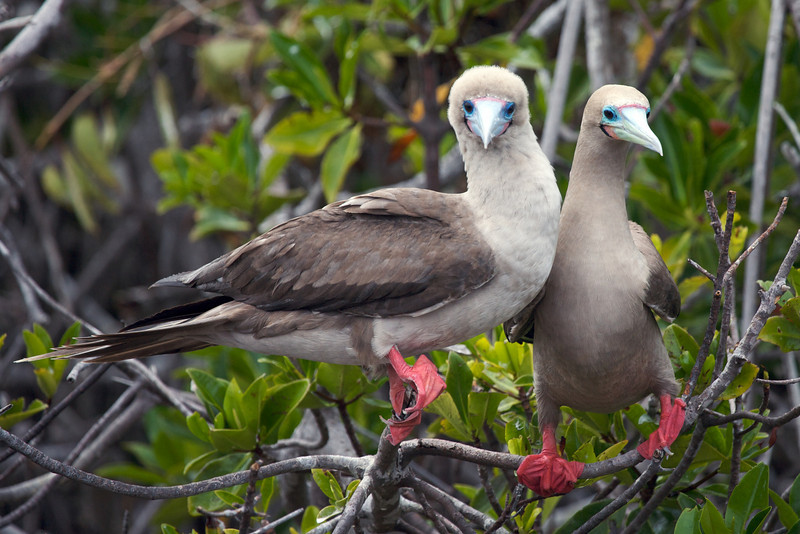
397	271
596	344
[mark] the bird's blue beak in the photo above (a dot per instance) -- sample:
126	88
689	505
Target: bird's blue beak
488	117
632	126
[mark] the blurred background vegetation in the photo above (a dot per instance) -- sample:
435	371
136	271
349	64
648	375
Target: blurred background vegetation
145	138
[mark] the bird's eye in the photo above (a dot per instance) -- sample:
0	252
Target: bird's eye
647	113
469	107
508	111
609	113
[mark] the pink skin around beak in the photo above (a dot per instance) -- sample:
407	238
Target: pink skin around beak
423	377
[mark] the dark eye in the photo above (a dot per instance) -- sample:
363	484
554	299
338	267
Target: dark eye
469	107
609	114
648	113
509	110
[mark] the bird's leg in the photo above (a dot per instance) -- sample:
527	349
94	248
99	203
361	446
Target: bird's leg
411	388
547	473
672	416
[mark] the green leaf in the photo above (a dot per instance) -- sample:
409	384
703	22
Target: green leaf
459	384
199	427
18	412
483	409
168	529
581	516
781	332
279	403
454	427
749	495
338	159
343	382
307	134
755	524
677	339
794	495
308	68
309	518
209	388
785	512
741	383
791	310
688	522
711	520
347	72
327	483
70	334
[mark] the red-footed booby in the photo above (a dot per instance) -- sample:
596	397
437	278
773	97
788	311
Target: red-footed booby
397	271
596	344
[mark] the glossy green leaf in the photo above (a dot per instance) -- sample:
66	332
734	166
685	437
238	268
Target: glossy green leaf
18	412
280	401
794	495
209	388
781	332
343	382
742	382
756	524
307	133
459	384
199	426
327	482
785	512
310	72
688	522
581	516
749	495
338	159
711	520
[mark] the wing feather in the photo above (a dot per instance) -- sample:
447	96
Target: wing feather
393	252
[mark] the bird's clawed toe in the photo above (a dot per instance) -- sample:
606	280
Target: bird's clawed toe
673	413
411	389
548	474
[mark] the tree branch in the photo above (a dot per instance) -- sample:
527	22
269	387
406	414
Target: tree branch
46	18
354	466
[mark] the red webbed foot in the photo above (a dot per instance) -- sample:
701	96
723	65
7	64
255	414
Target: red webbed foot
548	474
672	417
411	389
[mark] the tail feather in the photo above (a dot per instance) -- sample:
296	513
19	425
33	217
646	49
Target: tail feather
165	332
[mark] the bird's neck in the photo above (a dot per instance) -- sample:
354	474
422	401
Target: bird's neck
511	178
596	192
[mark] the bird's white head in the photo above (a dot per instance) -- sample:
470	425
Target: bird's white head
621	112
487	103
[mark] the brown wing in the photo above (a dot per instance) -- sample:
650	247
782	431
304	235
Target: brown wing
393	252
662	294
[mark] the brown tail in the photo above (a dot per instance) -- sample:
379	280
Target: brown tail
163	333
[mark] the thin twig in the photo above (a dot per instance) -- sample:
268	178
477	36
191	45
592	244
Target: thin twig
354	466
702	270
51	414
248	508
341	406
272	525
47	17
665	489
675	82
623	499
762	157
354	505
714	419
680	15
556	97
